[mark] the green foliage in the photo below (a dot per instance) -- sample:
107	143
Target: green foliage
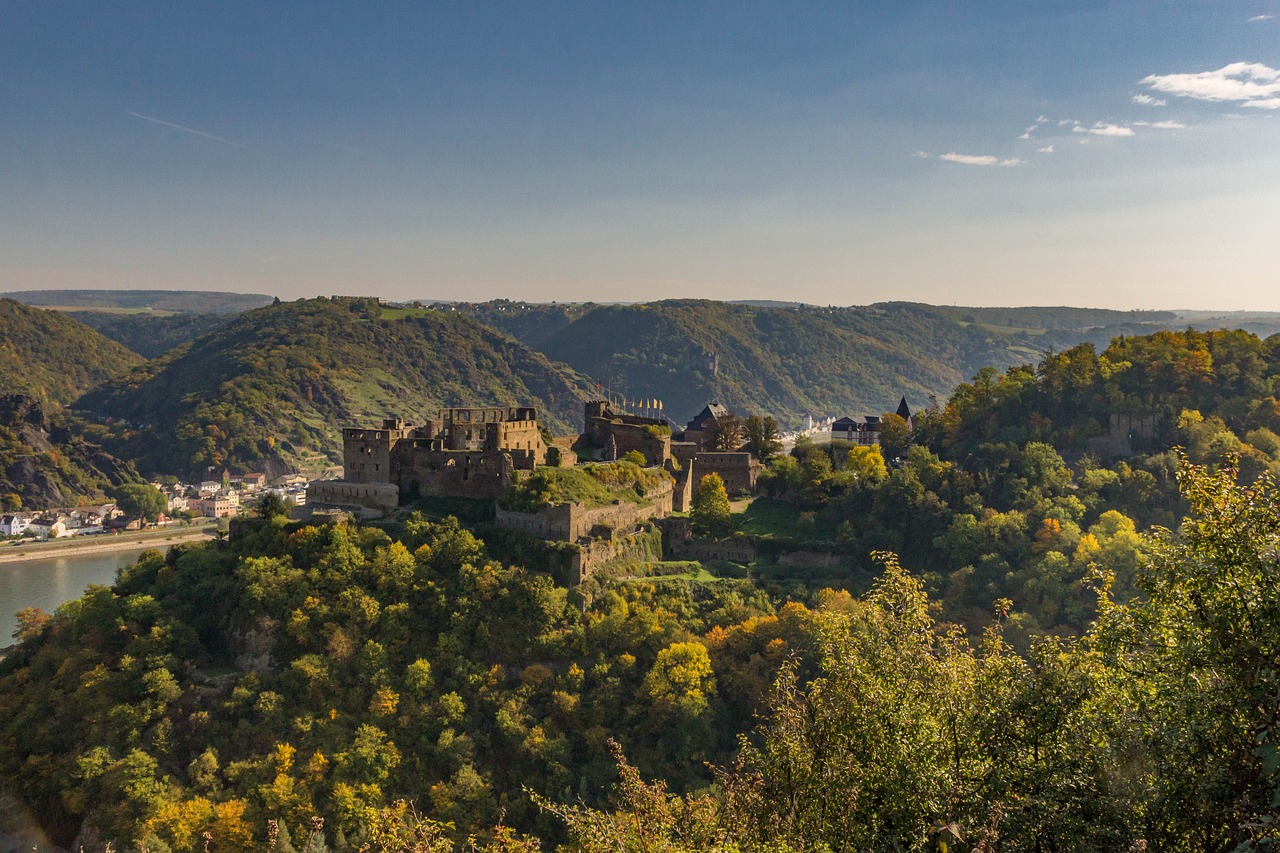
53	358
277	384
141	500
592	485
710	512
150	335
763	437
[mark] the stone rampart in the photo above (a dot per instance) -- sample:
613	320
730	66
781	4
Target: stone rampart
568	522
379	496
738	470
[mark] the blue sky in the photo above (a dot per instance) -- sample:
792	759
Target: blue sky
1122	154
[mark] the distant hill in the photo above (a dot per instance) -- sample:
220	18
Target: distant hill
780	361
788	359
173	301
273	388
147	334
531	323
52	358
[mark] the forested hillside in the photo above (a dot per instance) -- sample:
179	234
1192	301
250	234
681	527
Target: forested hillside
150	335
780	361
274	387
53	358
297	681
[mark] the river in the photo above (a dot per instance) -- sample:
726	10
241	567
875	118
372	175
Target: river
49	581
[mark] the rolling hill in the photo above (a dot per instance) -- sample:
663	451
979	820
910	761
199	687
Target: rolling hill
273	388
53	358
780	361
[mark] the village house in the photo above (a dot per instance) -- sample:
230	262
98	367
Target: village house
248	482
15	524
53	527
217	506
865	429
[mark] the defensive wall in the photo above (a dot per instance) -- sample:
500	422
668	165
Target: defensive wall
738	469
343	493
571	522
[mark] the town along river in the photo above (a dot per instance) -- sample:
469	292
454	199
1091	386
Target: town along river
47	582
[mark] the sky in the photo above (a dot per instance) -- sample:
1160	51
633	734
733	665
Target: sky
1103	154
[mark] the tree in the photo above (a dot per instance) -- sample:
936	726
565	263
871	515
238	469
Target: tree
866	463
710	513
139	500
271	505
726	433
895	435
764	439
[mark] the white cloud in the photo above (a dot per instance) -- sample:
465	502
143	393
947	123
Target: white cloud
1257	18
979	160
1048	149
1066	121
1100	129
970	159
1168	125
1250	84
1148	101
1025	136
921	155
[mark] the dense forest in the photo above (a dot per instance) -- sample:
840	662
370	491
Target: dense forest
792	360
53	358
272	389
307	679
1006	656
147	334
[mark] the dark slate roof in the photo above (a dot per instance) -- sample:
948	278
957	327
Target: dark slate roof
710	412
855	422
904	411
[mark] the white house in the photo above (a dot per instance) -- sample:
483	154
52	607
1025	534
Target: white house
49	528
14	524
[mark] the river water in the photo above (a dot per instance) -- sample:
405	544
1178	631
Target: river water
48	582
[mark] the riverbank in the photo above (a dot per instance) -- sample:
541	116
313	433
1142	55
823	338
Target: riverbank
105	544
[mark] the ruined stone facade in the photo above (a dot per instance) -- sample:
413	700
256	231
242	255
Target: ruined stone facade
465	452
571	522
739	470
619	434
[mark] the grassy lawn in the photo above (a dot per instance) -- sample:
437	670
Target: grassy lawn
389	313
771	518
657	572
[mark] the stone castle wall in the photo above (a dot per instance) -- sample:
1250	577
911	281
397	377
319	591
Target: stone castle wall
380	496
570	522
738	470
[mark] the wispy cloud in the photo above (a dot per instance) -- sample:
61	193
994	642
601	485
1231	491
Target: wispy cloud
1168	125
1148	101
190	130
1249	84
921	155
1100	129
979	160
1048	149
1256	18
